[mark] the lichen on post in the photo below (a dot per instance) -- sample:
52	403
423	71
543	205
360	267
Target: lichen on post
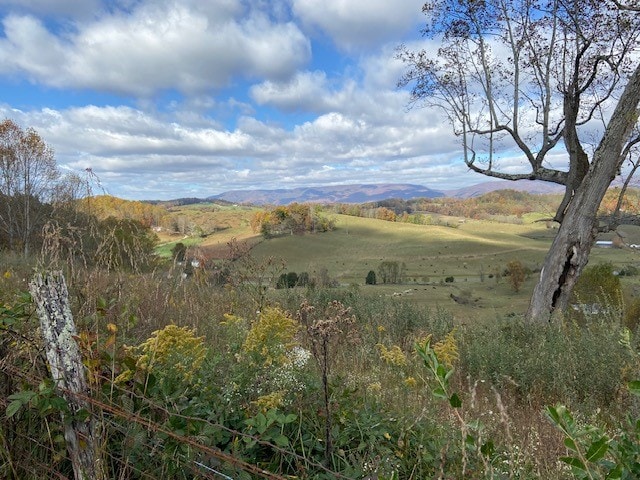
51	297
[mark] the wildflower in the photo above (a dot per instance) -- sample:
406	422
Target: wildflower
271	337
230	319
172	347
375	387
393	356
410	382
447	349
298	357
270	401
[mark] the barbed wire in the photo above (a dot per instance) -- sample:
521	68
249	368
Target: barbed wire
119	420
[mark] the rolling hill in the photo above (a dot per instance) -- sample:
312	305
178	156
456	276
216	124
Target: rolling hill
363	193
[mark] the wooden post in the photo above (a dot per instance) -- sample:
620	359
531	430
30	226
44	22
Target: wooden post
51	297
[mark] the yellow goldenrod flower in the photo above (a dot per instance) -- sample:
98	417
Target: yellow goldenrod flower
410	382
392	356
271	337
447	349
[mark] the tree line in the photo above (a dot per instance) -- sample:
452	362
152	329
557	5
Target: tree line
296	218
43	210
500	203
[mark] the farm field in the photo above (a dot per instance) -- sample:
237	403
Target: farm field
474	253
207	225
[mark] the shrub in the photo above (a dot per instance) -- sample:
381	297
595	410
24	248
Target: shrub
292	279
178	251
516	273
371	278
628	271
303	279
289	280
547	362
597	291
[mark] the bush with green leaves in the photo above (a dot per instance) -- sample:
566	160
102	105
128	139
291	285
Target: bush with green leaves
289	280
592	452
371	278
550	361
179	251
598	285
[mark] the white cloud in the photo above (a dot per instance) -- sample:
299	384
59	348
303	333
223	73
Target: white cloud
343	122
355	25
304	92
156	47
127	146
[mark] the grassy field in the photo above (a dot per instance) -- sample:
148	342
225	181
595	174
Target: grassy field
214	226
181	361
473	252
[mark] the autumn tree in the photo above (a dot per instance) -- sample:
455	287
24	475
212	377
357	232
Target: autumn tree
391	271
28	176
516	273
386	214
105	206
536	79
295	218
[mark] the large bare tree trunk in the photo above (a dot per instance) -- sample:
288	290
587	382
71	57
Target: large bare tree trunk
569	252
58	329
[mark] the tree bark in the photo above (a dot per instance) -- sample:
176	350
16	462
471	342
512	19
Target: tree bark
569	252
63	355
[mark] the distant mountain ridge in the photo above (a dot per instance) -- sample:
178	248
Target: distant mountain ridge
363	193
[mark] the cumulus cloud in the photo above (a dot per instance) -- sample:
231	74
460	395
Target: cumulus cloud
158	46
355	25
305	91
255	110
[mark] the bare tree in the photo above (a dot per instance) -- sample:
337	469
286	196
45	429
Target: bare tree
530	79
28	174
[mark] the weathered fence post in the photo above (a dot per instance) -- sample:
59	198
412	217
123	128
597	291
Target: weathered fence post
51	297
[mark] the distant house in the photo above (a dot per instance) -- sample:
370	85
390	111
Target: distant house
604	244
618	241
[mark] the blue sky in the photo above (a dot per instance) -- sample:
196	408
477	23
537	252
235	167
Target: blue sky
165	99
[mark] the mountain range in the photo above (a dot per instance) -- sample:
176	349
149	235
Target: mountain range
363	193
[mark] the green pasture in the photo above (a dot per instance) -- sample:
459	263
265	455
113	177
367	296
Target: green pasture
164	249
474	253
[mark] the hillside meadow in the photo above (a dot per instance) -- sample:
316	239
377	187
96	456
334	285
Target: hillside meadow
213	372
474	252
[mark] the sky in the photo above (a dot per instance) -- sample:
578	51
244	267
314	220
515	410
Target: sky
164	99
